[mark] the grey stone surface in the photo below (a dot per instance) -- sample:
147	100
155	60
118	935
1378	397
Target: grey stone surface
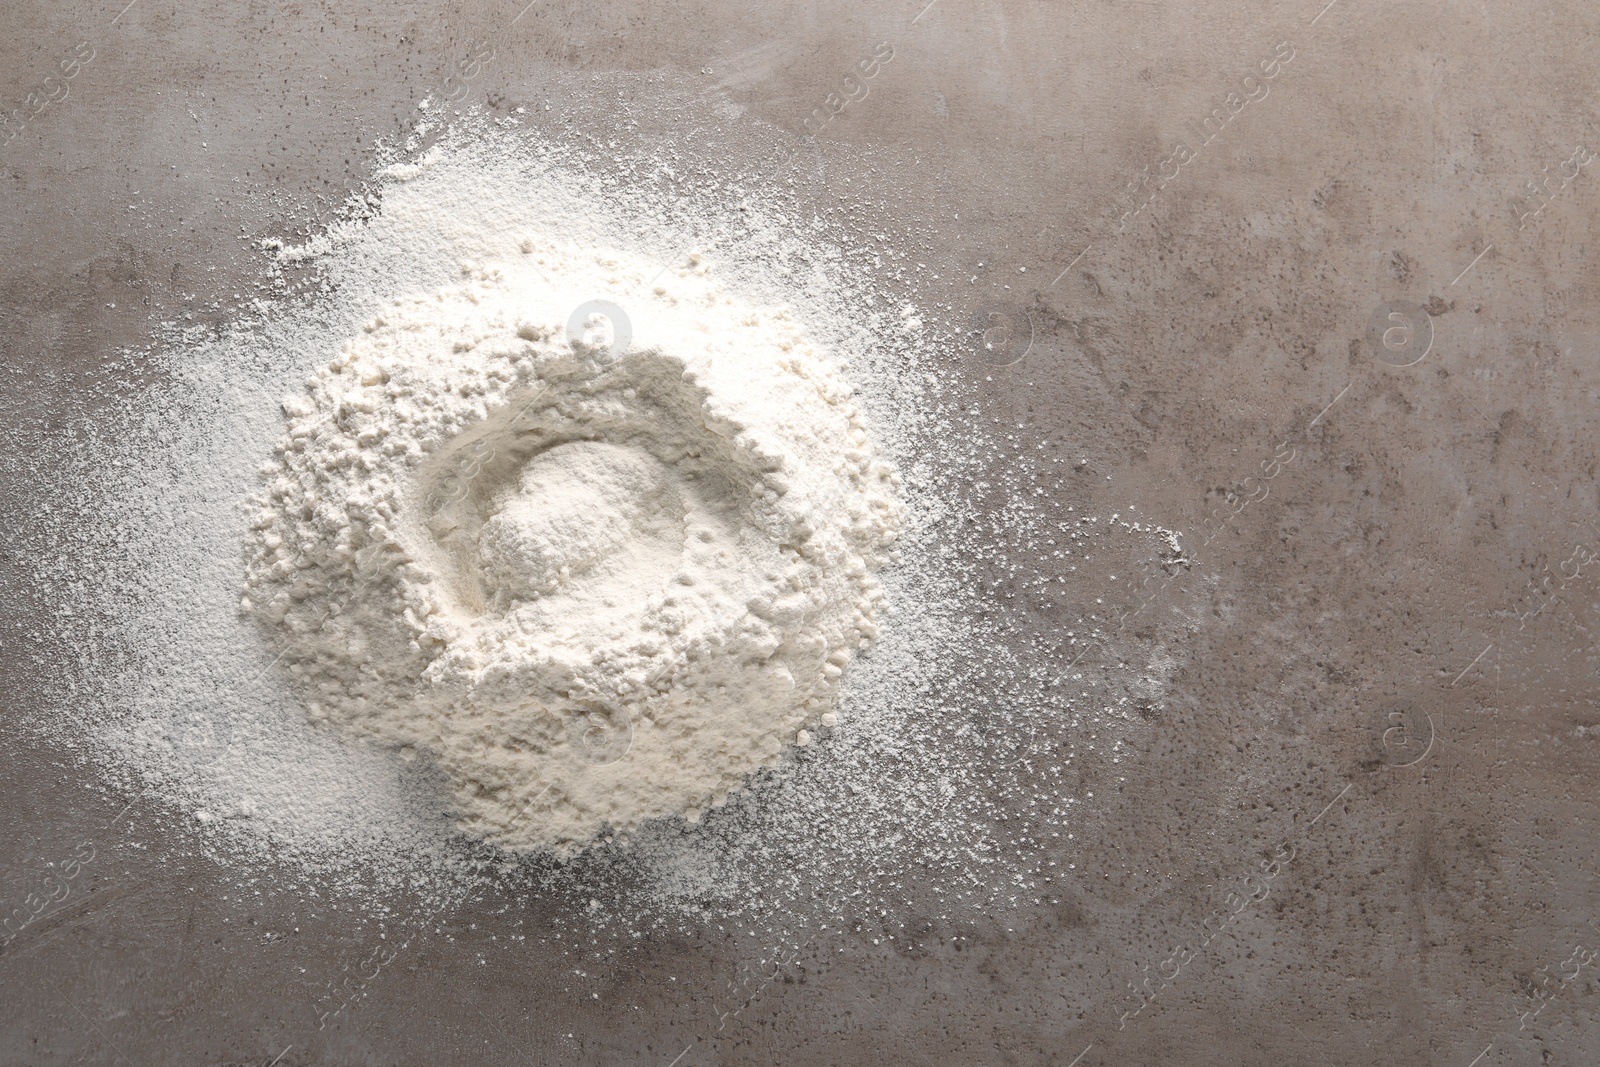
1383	698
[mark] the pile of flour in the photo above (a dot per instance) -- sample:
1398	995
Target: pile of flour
521	507
598	559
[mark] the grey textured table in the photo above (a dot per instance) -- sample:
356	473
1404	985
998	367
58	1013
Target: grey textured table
1343	289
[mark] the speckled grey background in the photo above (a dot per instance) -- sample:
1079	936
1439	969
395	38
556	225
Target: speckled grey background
1383	698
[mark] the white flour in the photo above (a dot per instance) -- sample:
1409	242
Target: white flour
183	708
599	582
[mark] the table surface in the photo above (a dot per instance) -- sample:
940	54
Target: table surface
1334	318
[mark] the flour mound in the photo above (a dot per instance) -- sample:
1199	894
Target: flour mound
598	576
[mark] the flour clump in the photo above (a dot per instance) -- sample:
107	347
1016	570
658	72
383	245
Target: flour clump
599	574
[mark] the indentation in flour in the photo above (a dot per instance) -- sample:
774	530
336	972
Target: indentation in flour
584	513
600	579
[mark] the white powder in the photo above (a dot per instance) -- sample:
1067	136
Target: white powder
597	581
955	720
